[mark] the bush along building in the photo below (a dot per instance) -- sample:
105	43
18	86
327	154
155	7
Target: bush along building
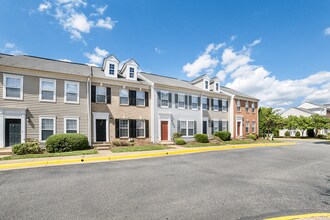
40	97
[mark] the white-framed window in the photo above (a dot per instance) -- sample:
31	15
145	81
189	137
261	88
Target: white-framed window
224	125
12	87
238	105
140	128
47	90
123	128
247	126
224	105
215	126
181	101
217	87
111	69
71	125
101	94
140	98
253	127
191	128
71	92
183	128
215	104
194	102
253	107
131	72
204	100
164	96
47	127
246	106
206	84
123	94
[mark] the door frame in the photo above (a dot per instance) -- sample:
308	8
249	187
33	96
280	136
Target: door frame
168	130
164	117
20	132
207	124
239	119
101	116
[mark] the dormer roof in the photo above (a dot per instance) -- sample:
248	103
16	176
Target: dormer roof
202	77
215	79
111	57
130	61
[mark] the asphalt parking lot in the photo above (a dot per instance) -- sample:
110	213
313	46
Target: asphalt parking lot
239	184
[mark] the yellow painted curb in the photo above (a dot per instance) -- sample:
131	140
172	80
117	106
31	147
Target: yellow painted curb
293	217
136	156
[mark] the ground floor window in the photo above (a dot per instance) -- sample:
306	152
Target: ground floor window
224	126
191	128
47	127
140	128
247	126
71	125
123	128
253	127
215	126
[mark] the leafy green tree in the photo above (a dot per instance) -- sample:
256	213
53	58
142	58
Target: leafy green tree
269	120
303	123
319	122
290	122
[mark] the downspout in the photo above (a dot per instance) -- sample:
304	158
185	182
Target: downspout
152	110
89	116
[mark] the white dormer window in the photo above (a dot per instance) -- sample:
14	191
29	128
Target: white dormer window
111	69
217	87
131	72
206	84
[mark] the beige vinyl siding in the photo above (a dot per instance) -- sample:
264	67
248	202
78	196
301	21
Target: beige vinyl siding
36	108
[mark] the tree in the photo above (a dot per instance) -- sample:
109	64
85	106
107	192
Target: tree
303	123
291	122
269	121
319	122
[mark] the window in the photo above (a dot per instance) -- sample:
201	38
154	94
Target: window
140	128
111	69
204	103
164	96
215	104
215	126
253	107
123	97
47	90
191	128
183	128
224	105
253	127
216	87
13	87
131	72
101	94
224	126
246	106
194	103
247	126
47	127
206	84
71	125
71	92
238	105
123	128
140	96
181	101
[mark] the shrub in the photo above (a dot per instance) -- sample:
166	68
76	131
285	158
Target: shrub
179	141
287	134
252	137
27	148
223	135
322	136
310	133
201	138
297	134
177	135
66	142
121	143
329	136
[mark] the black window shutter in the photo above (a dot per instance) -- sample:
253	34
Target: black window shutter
108	95
220	104
117	128
227	126
132	97
178	126
146	98
199	103
147	128
227	105
212	104
132	128
195	127
220	125
212	127
158	99
176	99
170	99
190	101
93	96
208	104
186	102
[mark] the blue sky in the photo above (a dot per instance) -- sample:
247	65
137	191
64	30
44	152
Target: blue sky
278	51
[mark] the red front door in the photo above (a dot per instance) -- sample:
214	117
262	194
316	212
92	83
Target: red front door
238	128
164	130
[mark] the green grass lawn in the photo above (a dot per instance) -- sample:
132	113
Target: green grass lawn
231	142
63	154
138	148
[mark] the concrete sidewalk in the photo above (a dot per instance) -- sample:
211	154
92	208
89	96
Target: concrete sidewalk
109	156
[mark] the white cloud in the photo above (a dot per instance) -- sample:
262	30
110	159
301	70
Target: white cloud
158	50
233	37
10	45
69	14
327	31
65	60
11	48
255	42
96	58
205	62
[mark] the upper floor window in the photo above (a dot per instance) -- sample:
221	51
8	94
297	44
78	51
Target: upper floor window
224	105
215	104
47	90
238	105
111	69
253	107
246	106
71	125
164	96
206	84
13	87
194	103
181	101
140	98
101	94
123	96
71	91
131	72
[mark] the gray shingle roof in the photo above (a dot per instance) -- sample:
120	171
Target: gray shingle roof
236	93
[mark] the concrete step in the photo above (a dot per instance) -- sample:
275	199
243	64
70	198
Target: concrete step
5	151
166	142
103	147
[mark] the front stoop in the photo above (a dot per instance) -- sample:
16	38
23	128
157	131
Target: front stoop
167	143
102	146
5	151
